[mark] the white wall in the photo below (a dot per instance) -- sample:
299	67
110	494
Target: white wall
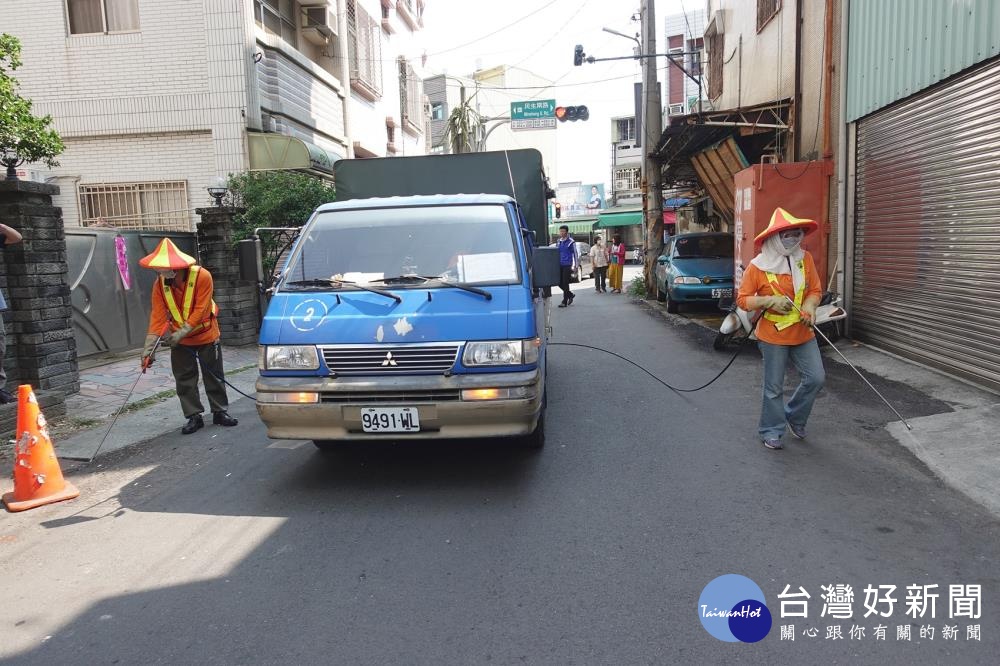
767	62
175	92
367	117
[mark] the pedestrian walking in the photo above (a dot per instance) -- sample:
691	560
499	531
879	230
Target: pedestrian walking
568	260
616	263
194	332
8	236
599	260
783	271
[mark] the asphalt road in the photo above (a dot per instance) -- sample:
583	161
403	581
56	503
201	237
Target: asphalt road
224	547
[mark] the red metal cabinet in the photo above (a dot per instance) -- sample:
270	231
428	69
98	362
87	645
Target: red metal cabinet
798	187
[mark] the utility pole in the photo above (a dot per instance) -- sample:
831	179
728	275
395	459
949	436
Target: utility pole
462	137
652	121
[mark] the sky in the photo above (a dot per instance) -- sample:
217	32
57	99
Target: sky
458	40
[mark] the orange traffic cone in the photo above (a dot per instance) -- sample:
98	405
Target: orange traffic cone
37	477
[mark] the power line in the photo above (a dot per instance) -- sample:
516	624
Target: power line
498	30
558	32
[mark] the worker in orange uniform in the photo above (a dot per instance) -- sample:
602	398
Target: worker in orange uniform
783	271
183	305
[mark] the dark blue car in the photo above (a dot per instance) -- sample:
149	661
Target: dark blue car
695	268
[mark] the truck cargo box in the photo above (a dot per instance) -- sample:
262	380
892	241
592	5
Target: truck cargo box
468	173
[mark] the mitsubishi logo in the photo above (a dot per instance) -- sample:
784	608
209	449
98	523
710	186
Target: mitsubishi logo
389	360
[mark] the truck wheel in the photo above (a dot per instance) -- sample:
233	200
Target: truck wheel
536	439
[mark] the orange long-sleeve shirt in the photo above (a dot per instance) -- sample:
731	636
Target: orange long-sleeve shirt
755	283
201	308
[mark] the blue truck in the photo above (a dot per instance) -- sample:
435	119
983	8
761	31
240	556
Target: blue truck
415	306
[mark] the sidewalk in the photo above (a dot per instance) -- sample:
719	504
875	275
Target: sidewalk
152	410
959	446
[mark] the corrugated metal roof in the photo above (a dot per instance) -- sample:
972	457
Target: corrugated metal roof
899	47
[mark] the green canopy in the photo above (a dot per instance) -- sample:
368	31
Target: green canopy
622	218
574	227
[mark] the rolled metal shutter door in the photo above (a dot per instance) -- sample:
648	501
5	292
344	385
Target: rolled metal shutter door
927	228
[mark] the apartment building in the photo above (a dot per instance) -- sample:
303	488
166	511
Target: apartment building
626	163
155	100
685	40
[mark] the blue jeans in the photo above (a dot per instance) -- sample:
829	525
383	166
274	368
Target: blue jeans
774	412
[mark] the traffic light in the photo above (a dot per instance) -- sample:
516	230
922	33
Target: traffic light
564	113
578	55
558	209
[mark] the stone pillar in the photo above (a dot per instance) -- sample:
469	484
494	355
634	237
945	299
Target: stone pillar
239	321
34	274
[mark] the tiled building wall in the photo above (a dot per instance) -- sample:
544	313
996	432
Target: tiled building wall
166	102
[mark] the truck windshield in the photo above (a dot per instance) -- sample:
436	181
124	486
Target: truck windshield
467	244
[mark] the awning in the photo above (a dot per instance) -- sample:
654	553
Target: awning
622	218
574	227
716	167
273	152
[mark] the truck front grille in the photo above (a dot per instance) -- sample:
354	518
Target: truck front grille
389	397
391	359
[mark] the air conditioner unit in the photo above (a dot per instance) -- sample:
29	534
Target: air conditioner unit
319	24
621	185
676	109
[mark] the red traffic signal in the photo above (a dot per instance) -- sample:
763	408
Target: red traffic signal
564	113
558	209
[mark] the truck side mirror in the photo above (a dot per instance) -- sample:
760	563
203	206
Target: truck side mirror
251	260
545	267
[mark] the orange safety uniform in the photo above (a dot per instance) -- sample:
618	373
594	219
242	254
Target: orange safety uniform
755	283
201	313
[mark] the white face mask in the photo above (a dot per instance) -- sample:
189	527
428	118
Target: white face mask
789	239
167	275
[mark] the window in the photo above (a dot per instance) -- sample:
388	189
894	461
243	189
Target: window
411	92
161	205
627	179
102	16
364	51
472	244
715	48
626	129
277	17
437	110
766	9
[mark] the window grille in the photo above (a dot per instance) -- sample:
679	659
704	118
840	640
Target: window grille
626	129
102	16
766	9
410	95
627	179
158	206
364	51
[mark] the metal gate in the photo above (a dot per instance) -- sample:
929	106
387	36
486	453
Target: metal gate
927	228
107	316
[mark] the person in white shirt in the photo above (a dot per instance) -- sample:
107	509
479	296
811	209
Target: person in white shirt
599	259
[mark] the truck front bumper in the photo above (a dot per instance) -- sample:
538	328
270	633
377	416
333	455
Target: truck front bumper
438	399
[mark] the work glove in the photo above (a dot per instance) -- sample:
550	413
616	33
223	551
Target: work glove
808	313
147	350
779	304
178	335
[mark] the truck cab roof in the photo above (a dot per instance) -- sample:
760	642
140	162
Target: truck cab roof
417	200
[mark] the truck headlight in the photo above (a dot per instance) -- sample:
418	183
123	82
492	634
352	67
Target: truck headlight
686	280
501	352
292	357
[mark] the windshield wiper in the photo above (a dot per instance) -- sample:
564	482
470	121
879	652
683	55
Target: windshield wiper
431	278
330	282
